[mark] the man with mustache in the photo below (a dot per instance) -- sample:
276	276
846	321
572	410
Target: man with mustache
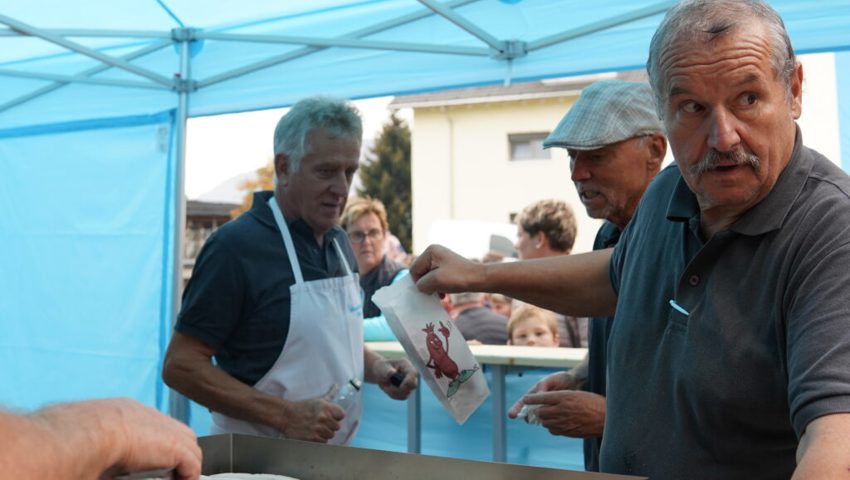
275	297
731	338
616	146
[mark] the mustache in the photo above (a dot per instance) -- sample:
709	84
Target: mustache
713	158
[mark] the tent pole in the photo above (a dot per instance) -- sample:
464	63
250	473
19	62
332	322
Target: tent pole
178	404
304	51
82	49
86	73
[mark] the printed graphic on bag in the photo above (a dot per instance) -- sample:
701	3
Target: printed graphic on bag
437	349
441	362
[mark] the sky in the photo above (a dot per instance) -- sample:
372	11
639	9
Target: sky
223	146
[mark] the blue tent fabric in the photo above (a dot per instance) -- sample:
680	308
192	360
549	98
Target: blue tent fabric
84	308
91	122
842	71
357	72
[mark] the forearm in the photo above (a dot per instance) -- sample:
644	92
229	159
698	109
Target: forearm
576	285
376	367
220	392
579	373
824	448
190	372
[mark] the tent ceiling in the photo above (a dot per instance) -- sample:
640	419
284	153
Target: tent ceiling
60	62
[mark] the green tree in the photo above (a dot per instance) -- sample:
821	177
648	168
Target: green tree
386	177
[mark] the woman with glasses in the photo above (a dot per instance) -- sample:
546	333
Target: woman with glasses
365	221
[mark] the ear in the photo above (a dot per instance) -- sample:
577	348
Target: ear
540	240
557	339
657	152
797	91
281	169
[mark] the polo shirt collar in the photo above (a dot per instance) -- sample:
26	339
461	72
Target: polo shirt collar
683	203
770	213
262	212
260	209
767	215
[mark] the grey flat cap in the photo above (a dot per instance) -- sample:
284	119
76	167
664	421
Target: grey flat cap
608	111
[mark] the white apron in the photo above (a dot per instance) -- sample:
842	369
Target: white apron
324	345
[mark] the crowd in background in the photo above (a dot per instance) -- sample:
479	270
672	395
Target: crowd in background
545	228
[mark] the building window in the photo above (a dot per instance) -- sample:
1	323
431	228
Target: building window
528	146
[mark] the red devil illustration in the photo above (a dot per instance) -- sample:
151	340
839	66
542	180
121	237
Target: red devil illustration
439	357
440	361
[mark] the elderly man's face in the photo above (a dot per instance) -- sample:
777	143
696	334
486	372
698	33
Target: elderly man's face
729	118
610	180
317	192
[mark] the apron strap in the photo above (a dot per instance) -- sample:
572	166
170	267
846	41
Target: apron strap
287	240
342	257
290	247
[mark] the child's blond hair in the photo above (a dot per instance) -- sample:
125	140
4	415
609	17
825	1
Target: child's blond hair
530	311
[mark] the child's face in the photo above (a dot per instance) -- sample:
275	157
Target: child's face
534	332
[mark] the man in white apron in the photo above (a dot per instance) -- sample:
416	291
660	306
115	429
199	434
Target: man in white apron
275	298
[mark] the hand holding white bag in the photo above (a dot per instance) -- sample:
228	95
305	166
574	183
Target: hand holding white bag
434	346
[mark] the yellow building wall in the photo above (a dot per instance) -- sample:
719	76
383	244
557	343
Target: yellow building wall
461	167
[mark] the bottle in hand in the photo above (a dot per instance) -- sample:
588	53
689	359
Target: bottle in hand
348	393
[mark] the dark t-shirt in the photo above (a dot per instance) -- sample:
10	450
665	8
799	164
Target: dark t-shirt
238	298
484	325
727	389
597	338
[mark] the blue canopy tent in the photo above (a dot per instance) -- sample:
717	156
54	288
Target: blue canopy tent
94	98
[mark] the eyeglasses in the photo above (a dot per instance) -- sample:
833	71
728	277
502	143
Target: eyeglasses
360	237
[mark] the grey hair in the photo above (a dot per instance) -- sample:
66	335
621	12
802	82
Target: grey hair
713	18
466	297
338	116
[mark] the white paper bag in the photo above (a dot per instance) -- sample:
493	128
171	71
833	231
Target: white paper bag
434	346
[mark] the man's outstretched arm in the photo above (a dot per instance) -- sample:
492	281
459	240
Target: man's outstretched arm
577	285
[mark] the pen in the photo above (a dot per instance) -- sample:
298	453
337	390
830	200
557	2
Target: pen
679	308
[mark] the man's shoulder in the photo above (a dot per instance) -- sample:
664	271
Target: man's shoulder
820	212
665	180
607	236
242	229
659	193
831	175
482	314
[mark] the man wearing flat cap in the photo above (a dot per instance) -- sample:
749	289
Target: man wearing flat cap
616	146
729	349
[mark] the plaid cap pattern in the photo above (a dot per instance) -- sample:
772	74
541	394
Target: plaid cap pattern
606	112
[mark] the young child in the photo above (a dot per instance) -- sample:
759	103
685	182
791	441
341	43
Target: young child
533	327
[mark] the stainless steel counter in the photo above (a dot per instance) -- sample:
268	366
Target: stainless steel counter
313	461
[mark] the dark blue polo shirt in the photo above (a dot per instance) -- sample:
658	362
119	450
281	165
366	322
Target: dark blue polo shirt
238	298
727	390
598	330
